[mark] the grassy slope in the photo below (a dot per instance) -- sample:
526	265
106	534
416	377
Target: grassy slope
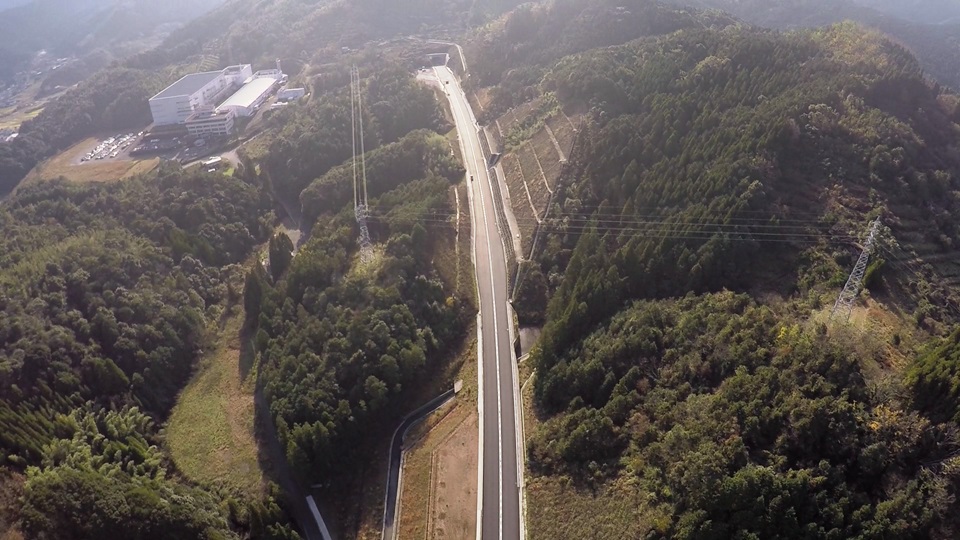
211	430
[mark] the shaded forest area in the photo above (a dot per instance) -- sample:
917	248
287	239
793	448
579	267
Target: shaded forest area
129	280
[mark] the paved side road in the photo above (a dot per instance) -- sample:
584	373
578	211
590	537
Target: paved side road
392	496
500	512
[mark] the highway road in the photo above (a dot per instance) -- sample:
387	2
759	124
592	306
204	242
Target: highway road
499	497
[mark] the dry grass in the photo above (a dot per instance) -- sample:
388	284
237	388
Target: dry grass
211	430
870	332
67	165
615	510
439	498
452	249
557	510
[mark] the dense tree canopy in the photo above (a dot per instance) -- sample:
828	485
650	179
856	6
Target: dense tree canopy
316	137
341	341
739	423
107	292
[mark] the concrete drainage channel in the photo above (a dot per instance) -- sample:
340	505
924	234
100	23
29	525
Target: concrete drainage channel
394	467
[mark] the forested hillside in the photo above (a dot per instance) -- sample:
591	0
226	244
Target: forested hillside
308	141
740	159
66	28
112	99
108	295
341	340
512	55
931	32
70	27
345	344
925	11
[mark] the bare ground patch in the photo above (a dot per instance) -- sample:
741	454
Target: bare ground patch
439	498
454	501
519	203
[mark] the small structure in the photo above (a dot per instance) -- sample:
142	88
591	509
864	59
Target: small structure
211	122
290	94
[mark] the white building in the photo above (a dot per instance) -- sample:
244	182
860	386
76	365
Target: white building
290	94
246	100
210	123
195	92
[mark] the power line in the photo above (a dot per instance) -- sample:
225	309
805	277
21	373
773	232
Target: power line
612	224
563	225
667	233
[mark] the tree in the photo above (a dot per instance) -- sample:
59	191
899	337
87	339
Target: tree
281	253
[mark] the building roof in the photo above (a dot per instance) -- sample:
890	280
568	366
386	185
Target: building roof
206	115
251	92
188	84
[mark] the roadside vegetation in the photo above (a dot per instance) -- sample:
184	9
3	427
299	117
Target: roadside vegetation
345	346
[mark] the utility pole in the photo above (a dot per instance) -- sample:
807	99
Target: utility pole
360	209
851	290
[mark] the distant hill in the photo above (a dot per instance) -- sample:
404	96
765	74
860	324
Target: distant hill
923	11
73	27
910	22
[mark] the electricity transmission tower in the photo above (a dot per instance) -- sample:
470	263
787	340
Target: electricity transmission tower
359	180
851	290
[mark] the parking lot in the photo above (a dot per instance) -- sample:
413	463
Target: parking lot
111	147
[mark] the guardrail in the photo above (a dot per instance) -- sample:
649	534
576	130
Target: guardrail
505	233
391	496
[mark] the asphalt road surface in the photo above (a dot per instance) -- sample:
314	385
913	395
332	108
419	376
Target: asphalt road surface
392	496
500	504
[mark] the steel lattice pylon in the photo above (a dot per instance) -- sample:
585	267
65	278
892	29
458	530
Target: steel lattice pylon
359	180
848	296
